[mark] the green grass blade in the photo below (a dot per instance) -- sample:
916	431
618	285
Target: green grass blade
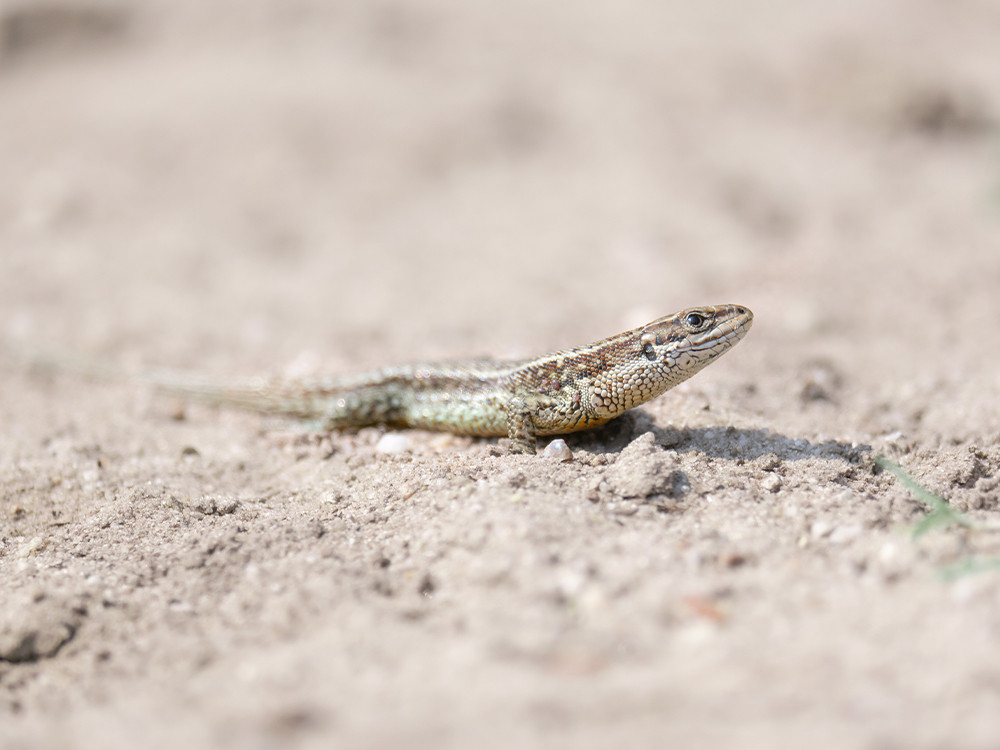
940	515
969	566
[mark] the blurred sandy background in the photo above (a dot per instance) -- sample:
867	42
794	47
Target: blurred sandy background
271	186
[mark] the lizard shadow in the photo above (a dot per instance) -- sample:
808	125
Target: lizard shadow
724	442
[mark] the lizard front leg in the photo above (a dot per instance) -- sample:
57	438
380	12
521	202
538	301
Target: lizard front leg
521	424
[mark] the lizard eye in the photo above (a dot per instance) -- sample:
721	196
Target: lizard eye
695	320
649	352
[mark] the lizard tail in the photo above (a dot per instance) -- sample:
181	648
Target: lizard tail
262	395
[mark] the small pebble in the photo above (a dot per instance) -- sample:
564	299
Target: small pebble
558	450
392	443
31	547
820	529
846	533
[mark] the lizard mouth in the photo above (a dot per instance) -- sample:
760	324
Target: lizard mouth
733	327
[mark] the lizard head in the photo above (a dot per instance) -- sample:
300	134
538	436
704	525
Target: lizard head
656	357
688	340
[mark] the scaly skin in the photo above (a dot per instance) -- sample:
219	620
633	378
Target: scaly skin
570	390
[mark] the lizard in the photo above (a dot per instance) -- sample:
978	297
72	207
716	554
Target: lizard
566	391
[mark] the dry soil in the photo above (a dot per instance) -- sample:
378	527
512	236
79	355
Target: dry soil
296	186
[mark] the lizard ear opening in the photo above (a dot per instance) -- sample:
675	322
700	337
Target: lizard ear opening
647	340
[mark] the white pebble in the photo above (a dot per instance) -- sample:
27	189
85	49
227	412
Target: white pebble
771	483
558	450
392	443
846	533
33	546
820	529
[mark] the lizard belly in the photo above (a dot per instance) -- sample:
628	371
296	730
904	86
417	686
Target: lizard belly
479	412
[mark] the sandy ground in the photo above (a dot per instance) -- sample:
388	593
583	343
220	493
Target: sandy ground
296	186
